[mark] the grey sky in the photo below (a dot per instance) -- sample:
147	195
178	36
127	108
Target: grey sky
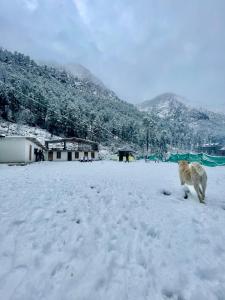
139	49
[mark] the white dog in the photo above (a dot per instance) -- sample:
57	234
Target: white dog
193	174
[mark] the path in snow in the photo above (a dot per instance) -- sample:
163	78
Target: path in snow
106	231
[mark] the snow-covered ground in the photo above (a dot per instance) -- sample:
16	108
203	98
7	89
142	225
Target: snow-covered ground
104	230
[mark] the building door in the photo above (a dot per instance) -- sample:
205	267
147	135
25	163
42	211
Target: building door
120	156
69	156
50	155
30	153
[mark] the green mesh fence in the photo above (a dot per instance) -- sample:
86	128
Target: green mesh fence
202	158
153	157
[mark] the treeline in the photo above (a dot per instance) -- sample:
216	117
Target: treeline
63	104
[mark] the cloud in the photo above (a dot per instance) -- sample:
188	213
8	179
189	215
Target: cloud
82	9
31	5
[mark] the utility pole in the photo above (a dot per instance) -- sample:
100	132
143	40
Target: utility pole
147	140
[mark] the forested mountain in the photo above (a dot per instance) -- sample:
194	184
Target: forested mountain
81	72
63	104
187	125
66	105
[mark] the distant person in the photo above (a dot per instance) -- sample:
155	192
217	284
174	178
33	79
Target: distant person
40	155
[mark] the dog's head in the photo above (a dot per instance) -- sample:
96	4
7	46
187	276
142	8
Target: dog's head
183	163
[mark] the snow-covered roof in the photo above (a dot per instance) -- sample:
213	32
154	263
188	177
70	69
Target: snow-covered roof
127	149
211	145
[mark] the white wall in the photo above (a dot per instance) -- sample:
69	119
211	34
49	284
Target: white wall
12	150
64	155
27	151
16	150
96	154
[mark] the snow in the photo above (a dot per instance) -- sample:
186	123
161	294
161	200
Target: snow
14	129
105	230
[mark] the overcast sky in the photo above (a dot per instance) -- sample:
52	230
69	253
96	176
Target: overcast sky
138	48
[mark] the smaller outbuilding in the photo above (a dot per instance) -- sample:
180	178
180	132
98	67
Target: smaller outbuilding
126	154
213	149
20	149
222	151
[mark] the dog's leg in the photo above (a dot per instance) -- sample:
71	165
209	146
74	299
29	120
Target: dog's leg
196	182
202	194
182	182
199	192
186	192
204	184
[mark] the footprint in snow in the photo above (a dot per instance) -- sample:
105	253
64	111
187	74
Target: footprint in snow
152	233
61	211
56	269
169	294
18	222
78	221
166	192
12	280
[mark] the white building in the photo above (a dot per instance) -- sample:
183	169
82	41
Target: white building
71	149
19	149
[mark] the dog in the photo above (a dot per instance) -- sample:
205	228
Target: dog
193	174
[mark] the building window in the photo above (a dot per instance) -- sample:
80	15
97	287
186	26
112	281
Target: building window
85	154
58	155
76	155
92	155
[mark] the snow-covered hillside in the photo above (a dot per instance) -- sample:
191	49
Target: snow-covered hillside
77	70
105	230
9	128
170	107
83	73
164	104
62	103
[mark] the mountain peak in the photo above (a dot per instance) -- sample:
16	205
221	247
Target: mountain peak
164	104
176	109
163	98
82	72
76	70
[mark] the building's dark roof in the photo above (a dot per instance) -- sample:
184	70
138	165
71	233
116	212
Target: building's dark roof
126	149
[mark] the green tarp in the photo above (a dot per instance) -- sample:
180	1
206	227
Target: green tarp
153	157
202	158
